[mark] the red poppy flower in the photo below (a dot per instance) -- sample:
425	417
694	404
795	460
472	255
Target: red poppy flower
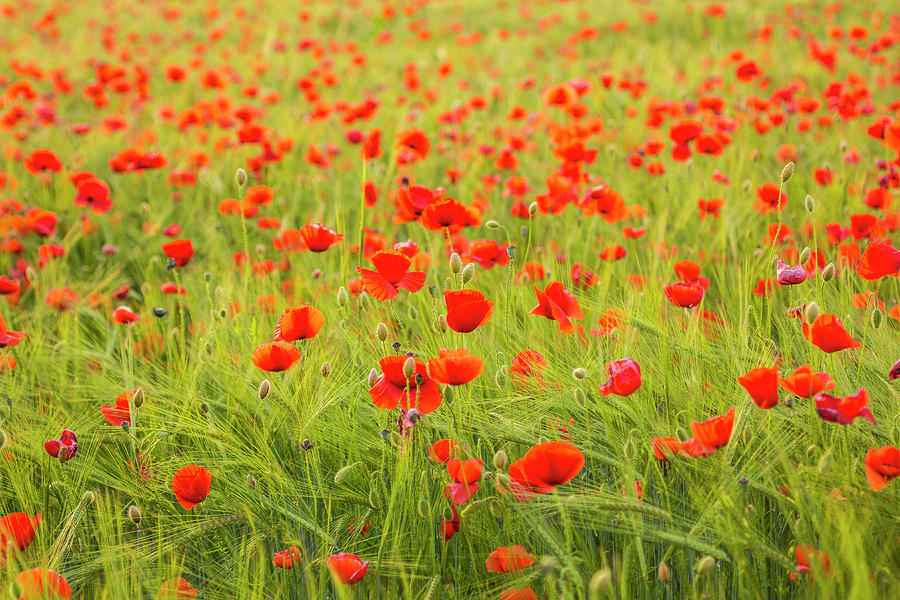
805	384
443	450
18	531
715	432
460	493
804	564
392	272
450	527
412	145
557	304
519	594
42	160
177	589
8	337
467	310
125	316
347	568
63	448
624	378
844	410
882	465
684	295
445	212
319	238
767	198
788	275
93	193
180	251
464	471
299	323
275	356
582	278
120	412
286	559
39	582
509	560
604	202
8	286
487	253
191	485
548	465
455	367
828	334
392	387
762	385
878	260
664	447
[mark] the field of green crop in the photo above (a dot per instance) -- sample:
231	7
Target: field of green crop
449	299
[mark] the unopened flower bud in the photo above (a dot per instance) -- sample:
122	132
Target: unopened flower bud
825	463
134	513
88	497
579	373
381	332
448	513
500	377
343	474
811	312
455	263
810	204
496	508
326	369
533	208
342	297
492	224
468	272
600	584
706	563
409	367
580	396
442	323
447	394
263	390
877	318
419	379
423	508
804	255
373	375
787	172
240	177
663	572
204	408
251	480
2	438
828	272
499	461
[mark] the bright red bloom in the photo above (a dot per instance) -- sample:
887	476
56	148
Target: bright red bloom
319	238
467	310
828	334
805	384
768	198
844	410
180	251
17	529
191	485
548	465
788	275
455	367
392	272
464	471
275	356
392	387
604	202
347	568
38	583
557	304
762	385
664	447
412	145
684	295
8	337
624	378
93	193
177	589
445	212
286	559
509	560
715	432
487	253
443	450
63	448
879	260
125	316
882	465
519	594
42	160
299	323
120	412
804	565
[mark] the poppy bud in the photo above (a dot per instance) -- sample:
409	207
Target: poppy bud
159	312
705	564
579	373
447	393
810	204
138	398
88	497
804	256
442	323
825	463
413	415
30	273
503	480
306	444
812	312
468	272
755	155
496	508
423	508
326	369
2	438
251	480
204	408
126	426
342	297
628	450
663	572
511	251
750	510
381	332
373	375
409	367
746	186
419	378
843	145
600	584
787	172
134	513
580	396
499	461
828	272
532	208
385	434
412	313
500	377
492	224
373	499
448	513
240	178
263	390
877	318
455	263
433	291
343	474
548	563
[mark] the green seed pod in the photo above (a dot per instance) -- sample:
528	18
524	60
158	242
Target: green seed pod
492	224
877	318
448	393
343	474
787	172
706	563
532	209
423	508
825	463
811	312
263	390
804	255
409	367
413	313
88	497
138	399
828	272
601	584
496	508
373	499
342	297
499	461
503	480
629	450
468	272
240	178
500	377
381	332
455	263
579	373
810	204
2	438
580	396
134	513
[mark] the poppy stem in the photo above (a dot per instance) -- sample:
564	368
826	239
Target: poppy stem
362	213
